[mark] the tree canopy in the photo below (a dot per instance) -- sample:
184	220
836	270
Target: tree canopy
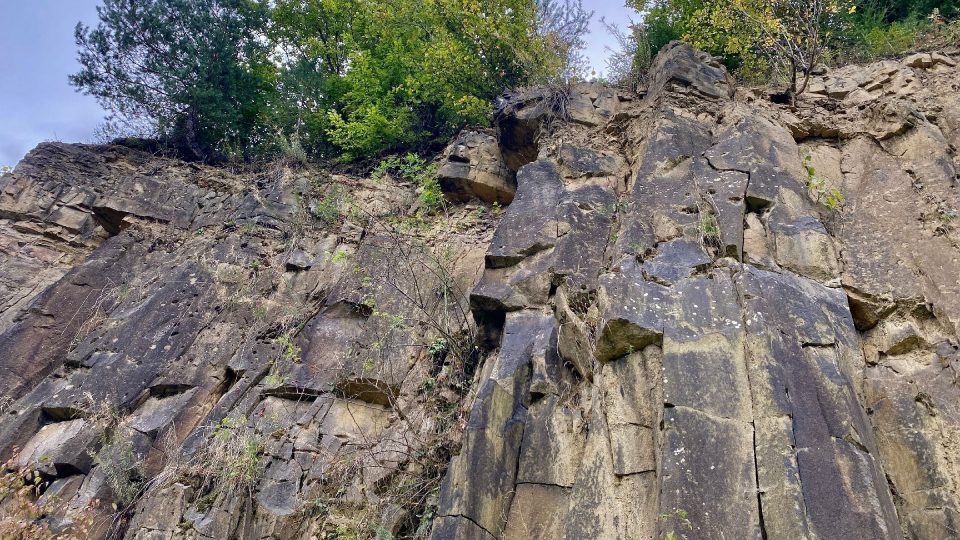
334	78
196	68
762	40
349	79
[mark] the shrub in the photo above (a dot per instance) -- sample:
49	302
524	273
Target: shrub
631	58
121	466
232	456
831	197
413	168
894	39
332	206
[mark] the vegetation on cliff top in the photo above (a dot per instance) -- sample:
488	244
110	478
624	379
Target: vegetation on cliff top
349	79
318	78
775	40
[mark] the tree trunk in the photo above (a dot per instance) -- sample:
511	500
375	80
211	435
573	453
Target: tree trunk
793	83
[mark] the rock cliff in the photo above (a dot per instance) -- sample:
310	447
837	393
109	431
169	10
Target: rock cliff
686	312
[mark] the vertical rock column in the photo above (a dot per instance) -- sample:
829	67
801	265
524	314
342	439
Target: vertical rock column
709	383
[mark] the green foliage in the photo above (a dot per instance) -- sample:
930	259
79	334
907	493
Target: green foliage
413	168
427	385
315	78
431	196
896	10
408	82
666	20
274	377
120	466
676	519
344	533
946	213
382	533
438	348
26	515
367	130
734	30
893	39
831	197
290	350
194	68
332	207
233	454
426	523
709	229
761	40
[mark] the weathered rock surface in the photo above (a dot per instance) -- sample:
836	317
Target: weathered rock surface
721	377
473	166
667	330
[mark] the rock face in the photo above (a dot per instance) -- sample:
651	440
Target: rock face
473	166
701	314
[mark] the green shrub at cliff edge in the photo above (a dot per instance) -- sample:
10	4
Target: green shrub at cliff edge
751	36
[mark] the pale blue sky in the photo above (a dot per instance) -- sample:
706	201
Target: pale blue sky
37	53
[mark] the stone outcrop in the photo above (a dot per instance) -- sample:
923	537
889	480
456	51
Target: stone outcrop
473	166
668	330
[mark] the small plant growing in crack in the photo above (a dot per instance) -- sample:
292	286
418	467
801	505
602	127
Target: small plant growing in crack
274	377
234	452
677	519
438	348
709	230
946	213
291	351
831	197
339	256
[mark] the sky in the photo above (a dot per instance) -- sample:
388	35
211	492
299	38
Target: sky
37	52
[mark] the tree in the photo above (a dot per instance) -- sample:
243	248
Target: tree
196	69
665	20
313	42
755	37
791	34
391	74
563	25
324	78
